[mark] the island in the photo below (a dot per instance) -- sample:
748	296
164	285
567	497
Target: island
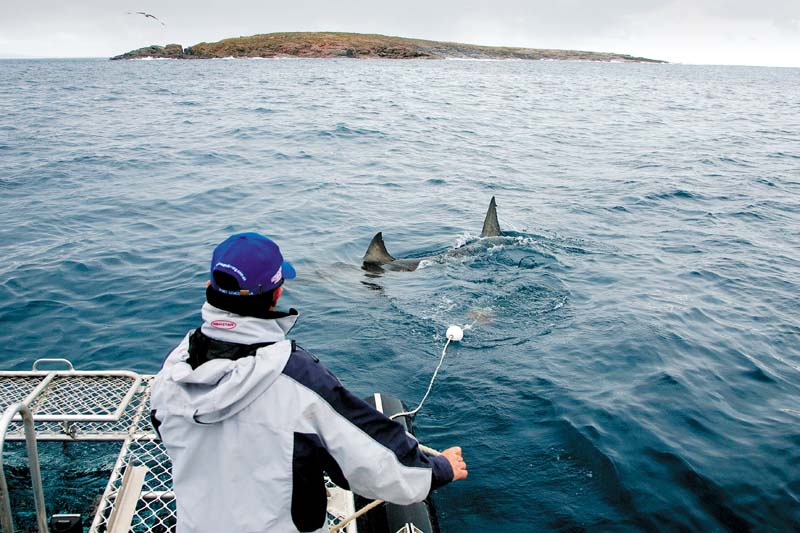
359	45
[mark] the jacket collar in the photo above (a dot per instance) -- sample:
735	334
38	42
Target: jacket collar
229	327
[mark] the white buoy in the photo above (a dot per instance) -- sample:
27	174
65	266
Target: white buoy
454	333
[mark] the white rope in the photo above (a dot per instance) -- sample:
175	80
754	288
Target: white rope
375	503
430	386
429	451
364	510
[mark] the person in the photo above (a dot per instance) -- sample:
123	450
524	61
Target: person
251	420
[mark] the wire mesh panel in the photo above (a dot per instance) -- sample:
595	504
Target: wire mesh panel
16	389
83	395
133	420
144	425
97	395
155	509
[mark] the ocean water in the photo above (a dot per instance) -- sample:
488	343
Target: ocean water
632	356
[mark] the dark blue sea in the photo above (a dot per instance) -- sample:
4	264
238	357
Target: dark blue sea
632	361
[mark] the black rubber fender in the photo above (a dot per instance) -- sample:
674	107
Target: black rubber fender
391	518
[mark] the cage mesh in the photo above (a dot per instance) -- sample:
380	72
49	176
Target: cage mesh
155	510
77	395
15	389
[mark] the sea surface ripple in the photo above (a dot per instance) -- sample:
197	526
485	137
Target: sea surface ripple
633	356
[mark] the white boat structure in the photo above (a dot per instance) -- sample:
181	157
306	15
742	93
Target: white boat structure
79	405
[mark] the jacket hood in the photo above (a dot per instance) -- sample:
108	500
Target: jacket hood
220	388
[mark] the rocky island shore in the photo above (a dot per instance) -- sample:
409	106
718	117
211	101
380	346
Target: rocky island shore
358	45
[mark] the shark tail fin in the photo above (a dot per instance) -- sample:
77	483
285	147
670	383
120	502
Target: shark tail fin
491	228
376	252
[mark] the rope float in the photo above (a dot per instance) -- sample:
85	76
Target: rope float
454	333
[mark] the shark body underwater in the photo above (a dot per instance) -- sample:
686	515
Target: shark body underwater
378	259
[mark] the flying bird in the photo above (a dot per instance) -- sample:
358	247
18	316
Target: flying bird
147	15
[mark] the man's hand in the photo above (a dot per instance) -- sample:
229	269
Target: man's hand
456	462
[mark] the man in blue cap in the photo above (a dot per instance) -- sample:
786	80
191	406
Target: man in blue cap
251	420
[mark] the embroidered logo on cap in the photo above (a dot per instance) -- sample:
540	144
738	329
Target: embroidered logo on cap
223	324
278	275
239	272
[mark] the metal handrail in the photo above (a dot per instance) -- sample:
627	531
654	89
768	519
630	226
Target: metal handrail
6	519
52	360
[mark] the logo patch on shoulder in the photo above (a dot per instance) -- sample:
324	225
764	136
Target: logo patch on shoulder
223	324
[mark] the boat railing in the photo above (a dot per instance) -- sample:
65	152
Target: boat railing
6	518
64	404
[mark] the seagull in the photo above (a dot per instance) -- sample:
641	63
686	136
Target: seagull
148	15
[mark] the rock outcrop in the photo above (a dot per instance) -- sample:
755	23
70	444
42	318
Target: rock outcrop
358	45
171	51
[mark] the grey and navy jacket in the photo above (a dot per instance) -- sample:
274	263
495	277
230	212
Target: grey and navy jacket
251	422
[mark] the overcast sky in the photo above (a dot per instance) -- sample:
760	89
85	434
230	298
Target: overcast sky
738	32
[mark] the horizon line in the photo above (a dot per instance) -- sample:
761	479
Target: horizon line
34	58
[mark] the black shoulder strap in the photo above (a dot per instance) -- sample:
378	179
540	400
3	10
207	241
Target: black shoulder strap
297	348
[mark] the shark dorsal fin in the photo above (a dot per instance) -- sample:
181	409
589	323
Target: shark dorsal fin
376	252
491	228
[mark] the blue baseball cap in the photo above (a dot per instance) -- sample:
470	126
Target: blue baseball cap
254	261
